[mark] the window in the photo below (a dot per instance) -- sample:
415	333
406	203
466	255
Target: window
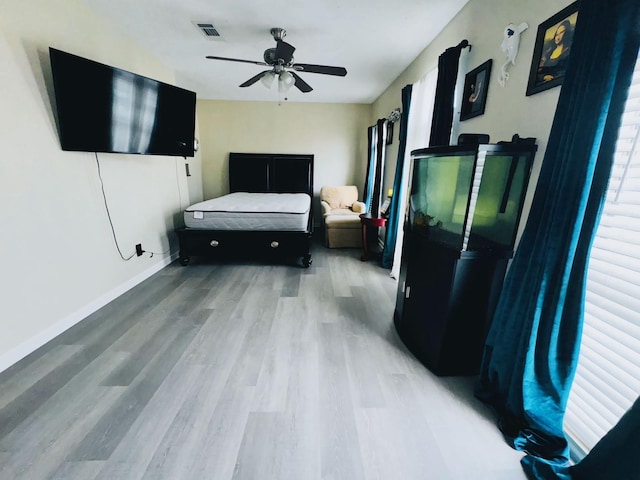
607	380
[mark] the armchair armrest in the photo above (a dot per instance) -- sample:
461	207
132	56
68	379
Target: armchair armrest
326	209
359	207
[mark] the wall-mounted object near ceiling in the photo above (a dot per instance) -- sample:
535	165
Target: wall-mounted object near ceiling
509	46
105	109
282	64
552	50
393	117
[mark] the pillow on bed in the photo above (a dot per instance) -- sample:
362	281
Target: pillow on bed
339	197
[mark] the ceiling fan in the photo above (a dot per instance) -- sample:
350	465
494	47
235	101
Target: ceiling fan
281	60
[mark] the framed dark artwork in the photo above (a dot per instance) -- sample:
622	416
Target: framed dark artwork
389	139
552	50
474	94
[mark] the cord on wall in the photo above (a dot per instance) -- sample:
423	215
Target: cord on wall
113	232
180	203
178	183
106	206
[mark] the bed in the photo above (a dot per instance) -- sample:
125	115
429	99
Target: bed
268	214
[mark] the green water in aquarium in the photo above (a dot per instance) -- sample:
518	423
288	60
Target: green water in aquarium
443	191
440	194
498	203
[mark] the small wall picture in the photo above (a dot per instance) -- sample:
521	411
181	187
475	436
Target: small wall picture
552	49
389	139
474	94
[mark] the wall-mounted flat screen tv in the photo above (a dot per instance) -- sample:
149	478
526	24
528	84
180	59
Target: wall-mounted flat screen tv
105	109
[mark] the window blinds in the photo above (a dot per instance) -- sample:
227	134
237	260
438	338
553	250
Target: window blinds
607	380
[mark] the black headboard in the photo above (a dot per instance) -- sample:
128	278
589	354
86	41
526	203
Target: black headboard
270	173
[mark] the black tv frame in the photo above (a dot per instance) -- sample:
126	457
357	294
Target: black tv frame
101	108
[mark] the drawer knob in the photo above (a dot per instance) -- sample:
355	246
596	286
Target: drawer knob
275	244
214	243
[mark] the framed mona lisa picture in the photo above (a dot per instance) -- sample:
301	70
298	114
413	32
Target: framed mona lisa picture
552	50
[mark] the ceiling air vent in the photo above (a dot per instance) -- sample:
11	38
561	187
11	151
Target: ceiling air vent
207	29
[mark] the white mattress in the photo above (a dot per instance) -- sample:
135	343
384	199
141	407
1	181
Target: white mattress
251	211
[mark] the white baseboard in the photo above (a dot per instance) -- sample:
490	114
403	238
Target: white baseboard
18	353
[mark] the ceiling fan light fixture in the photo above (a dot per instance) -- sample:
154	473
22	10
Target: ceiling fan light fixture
279	60
267	79
285	81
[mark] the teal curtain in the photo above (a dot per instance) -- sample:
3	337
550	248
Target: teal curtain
396	217
532	346
372	138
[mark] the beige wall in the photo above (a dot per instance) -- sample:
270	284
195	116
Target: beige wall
59	260
335	133
508	110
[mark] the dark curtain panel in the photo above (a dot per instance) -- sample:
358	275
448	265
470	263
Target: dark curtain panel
614	457
445	89
396	217
371	166
532	346
617	454
381	127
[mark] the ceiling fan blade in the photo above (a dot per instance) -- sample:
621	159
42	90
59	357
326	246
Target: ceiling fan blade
284	51
255	78
211	57
324	69
301	84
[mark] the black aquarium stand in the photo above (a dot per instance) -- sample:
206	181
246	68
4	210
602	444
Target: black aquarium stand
445	302
464	211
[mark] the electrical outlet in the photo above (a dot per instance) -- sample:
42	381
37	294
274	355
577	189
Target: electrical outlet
139	250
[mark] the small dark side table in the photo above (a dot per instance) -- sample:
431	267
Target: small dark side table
369	220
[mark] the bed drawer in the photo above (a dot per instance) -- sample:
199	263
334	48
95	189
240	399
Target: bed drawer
222	244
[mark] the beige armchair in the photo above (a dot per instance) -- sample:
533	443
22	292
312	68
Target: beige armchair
341	216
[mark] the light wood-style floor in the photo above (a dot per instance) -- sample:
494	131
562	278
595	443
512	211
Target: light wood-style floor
245	371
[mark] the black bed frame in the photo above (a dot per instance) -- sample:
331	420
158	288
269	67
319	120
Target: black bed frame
259	173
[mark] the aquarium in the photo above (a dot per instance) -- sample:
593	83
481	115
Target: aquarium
470	197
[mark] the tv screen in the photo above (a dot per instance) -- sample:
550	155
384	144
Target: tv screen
105	109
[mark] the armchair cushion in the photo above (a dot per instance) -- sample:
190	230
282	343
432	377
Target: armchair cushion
339	197
341	212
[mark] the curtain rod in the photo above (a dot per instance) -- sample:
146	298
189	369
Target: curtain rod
464	44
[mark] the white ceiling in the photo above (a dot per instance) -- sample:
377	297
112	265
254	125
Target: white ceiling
375	40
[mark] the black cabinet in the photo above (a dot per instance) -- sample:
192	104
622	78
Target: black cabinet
465	207
445	302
